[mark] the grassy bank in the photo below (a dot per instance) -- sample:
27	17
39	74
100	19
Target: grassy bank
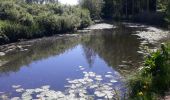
20	20
153	79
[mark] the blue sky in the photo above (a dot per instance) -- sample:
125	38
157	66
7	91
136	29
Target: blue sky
71	2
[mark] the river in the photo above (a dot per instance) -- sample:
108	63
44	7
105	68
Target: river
92	65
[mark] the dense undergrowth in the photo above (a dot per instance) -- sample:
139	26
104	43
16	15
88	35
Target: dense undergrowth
154	77
20	20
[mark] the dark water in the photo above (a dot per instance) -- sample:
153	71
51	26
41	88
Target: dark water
51	61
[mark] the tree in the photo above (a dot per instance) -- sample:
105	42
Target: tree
108	9
168	12
121	8
94	6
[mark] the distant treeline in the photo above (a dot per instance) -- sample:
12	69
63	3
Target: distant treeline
22	20
125	8
142	10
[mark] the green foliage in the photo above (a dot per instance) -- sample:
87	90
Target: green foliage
154	78
15	31
14	12
127	8
3	37
50	24
30	20
94	6
162	5
85	18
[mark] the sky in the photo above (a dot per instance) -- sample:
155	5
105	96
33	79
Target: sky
71	2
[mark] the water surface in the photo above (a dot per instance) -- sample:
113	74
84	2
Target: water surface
54	61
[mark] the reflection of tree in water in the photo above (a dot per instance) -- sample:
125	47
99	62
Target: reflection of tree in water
116	47
39	50
113	46
90	55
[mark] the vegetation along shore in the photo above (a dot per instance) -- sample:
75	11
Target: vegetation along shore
84	49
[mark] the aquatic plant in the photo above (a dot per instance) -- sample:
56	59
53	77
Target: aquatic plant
91	86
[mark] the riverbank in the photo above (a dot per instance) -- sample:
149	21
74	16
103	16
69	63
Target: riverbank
153	79
122	56
157	35
21	21
149	33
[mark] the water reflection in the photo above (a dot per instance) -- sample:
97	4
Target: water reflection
39	50
89	54
117	48
51	61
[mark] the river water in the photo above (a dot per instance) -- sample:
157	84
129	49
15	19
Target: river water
94	64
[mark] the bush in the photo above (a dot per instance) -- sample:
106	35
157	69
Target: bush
154	78
54	24
85	18
8	10
51	24
3	37
14	31
14	12
70	25
25	21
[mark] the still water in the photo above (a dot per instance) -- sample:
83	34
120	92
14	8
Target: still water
55	61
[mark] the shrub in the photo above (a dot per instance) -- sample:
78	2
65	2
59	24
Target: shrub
85	18
154	78
14	31
56	8
70	22
51	24
3	37
24	21
14	12
8	10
